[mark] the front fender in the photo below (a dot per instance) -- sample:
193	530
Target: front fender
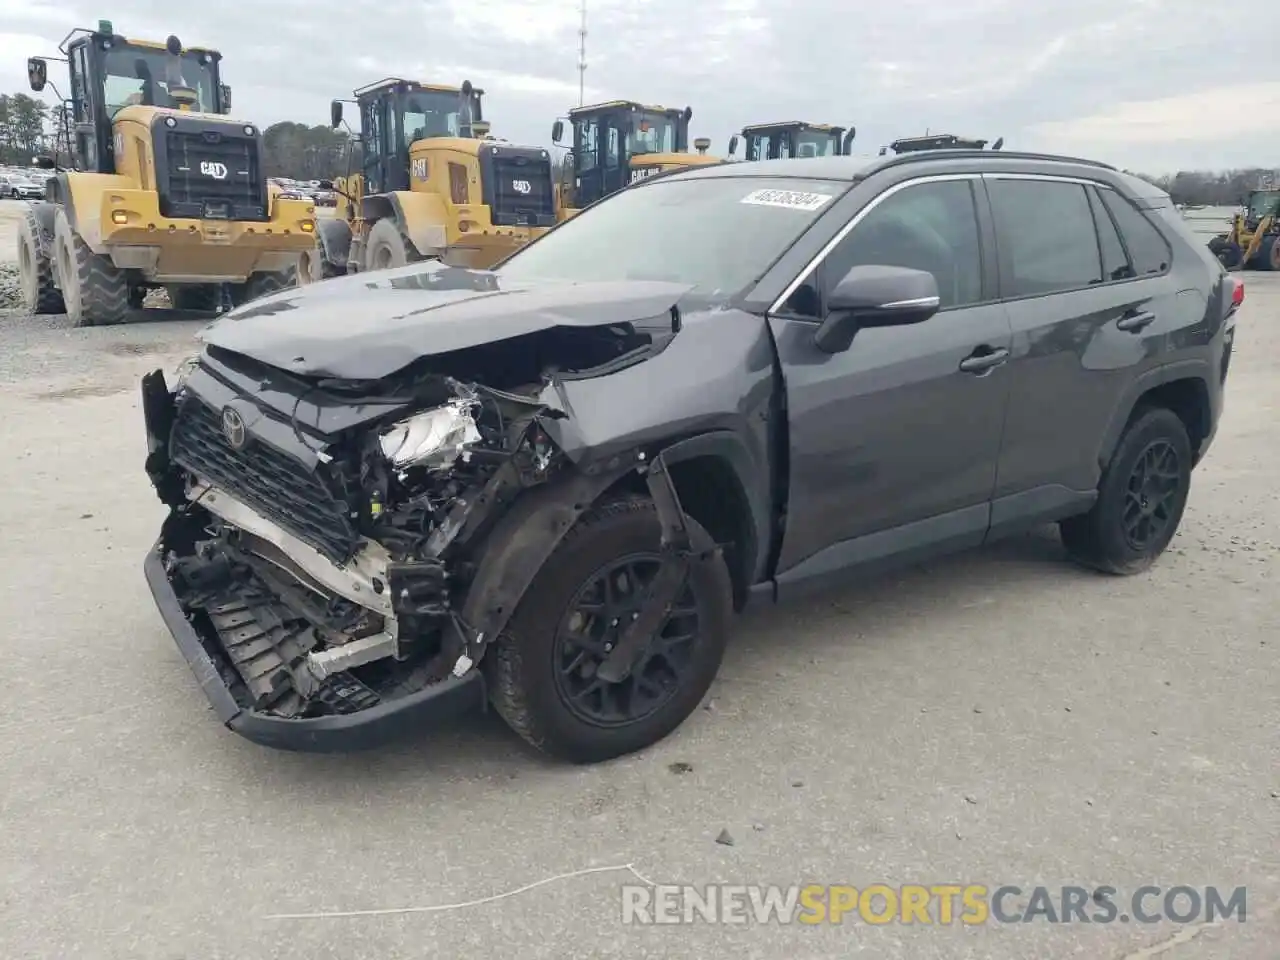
422	217
729	448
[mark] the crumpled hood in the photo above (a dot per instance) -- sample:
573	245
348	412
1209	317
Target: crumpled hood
369	326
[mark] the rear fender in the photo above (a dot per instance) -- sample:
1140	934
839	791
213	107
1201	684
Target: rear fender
1178	370
334	237
84	195
422	217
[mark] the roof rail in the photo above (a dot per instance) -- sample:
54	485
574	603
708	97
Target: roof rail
955	153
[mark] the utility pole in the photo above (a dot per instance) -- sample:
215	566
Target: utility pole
582	54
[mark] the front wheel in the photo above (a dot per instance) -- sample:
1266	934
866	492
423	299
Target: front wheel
542	669
1141	498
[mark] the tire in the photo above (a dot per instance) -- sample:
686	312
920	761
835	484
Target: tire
314	267
94	289
1269	255
35	269
1098	538
521	668
1229	255
201	297
387	247
263	284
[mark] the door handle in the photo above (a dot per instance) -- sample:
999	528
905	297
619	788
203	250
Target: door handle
1135	321
982	362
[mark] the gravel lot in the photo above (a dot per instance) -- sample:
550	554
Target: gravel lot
999	717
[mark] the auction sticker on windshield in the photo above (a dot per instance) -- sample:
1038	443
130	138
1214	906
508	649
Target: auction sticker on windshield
795	199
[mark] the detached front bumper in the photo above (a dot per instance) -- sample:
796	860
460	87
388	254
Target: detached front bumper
447	699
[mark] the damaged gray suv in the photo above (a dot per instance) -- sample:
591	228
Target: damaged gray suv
550	487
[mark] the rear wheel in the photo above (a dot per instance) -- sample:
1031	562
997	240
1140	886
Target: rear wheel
202	297
314	266
1270	253
542	669
1141	497
95	290
35	269
1229	254
263	284
386	247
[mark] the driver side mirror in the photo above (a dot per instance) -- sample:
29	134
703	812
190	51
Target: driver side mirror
226	98
557	131
733	145
37	74
875	296
335	114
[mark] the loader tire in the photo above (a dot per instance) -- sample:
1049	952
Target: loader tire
1269	255
263	284
95	290
35	269
314	266
197	297
387	246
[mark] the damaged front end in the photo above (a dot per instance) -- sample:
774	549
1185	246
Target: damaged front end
336	558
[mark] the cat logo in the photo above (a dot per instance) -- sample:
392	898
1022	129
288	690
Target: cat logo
522	187
211	169
418	170
643	173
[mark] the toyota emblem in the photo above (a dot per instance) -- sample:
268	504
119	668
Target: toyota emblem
233	428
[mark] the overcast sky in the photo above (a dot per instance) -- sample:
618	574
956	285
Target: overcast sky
1152	84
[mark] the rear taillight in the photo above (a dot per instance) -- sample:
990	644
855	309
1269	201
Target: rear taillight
1237	291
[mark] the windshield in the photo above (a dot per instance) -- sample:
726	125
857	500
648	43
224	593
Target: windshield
434	113
143	75
717	234
652	133
1262	203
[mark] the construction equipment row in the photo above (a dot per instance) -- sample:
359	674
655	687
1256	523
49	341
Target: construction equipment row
166	190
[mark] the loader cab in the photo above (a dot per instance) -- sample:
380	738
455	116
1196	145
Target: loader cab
395	114
109	72
620	142
774	141
1259	205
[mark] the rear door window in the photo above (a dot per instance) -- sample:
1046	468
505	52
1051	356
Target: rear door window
1146	245
1046	236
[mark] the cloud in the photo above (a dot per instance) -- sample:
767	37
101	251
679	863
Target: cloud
1129	83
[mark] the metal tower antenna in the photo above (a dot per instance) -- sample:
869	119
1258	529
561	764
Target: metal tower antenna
582	54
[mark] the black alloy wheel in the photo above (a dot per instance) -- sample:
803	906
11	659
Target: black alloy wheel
597	617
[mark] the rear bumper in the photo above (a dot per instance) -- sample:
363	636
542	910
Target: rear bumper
447	699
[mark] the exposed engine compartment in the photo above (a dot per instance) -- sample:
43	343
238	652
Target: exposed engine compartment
309	634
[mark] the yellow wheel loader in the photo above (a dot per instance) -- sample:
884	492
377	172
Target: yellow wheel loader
619	143
433	185
165	191
795	138
1253	242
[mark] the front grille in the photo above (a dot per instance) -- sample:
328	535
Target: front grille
518	187
276	485
209	173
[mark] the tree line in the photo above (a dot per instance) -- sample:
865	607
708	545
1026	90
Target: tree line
30	126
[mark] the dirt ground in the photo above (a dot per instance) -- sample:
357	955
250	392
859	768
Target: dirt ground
996	718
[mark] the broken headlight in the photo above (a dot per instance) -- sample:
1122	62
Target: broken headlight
433	439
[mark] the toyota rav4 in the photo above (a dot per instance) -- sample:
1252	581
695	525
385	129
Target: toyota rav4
551	486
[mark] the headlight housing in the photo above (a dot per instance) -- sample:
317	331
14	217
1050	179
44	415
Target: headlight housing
433	439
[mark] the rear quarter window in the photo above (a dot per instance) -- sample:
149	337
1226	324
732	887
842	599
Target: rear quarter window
1148	250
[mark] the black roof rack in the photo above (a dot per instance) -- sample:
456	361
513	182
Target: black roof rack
957	153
